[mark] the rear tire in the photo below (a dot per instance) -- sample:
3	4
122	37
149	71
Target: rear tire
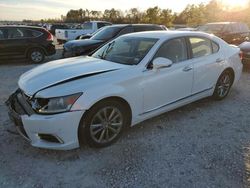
36	55
223	85
104	123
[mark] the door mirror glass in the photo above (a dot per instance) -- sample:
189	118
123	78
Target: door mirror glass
161	62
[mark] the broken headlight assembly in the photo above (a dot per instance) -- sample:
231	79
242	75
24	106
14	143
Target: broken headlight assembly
54	105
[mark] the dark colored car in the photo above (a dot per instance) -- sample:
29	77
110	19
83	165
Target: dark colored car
33	43
89	35
231	32
85	47
53	28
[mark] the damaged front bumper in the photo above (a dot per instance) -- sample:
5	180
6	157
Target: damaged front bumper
58	131
16	108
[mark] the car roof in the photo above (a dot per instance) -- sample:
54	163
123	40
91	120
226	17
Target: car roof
21	26
126	25
170	34
221	23
96	21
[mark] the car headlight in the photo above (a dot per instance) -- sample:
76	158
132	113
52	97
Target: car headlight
54	105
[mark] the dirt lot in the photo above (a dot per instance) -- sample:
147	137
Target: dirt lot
204	144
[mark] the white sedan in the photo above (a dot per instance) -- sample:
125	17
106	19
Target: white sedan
130	79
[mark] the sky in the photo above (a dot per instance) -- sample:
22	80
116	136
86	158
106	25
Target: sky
42	9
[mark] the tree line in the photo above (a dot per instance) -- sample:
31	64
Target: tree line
193	15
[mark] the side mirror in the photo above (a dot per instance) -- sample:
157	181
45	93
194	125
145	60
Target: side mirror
161	62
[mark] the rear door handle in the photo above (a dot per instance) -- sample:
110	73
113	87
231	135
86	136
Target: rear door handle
219	60
187	68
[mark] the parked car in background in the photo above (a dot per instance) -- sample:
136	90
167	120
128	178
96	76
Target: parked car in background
64	35
232	32
53	27
84	47
187	29
87	36
164	27
33	43
245	48
132	78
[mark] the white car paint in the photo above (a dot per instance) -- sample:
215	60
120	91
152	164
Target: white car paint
148	92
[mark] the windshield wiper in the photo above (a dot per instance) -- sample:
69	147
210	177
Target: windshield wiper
107	50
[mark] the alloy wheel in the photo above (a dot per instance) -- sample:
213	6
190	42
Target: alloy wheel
36	56
224	85
106	124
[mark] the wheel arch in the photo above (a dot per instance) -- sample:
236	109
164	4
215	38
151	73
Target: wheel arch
230	69
34	47
114	98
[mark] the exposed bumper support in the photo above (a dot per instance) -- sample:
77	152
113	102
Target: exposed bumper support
31	126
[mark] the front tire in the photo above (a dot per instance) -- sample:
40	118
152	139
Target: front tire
223	85
36	55
104	123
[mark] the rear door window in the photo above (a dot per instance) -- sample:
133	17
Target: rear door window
102	24
126	30
15	33
20	33
201	47
175	50
141	28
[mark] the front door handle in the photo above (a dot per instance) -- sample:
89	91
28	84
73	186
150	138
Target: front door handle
187	68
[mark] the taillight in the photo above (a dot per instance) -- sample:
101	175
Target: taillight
50	37
241	55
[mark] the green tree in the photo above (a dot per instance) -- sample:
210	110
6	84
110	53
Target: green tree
166	17
152	15
134	16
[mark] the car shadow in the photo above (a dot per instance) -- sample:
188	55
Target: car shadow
24	61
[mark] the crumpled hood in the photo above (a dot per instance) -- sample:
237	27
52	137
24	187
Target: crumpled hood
80	43
61	71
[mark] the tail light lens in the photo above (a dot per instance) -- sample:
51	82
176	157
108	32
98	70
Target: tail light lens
50	37
241	55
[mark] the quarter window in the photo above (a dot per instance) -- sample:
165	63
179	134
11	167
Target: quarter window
201	47
215	47
175	50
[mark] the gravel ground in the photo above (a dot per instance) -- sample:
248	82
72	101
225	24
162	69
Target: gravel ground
204	144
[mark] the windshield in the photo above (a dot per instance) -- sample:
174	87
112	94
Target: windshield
211	28
126	50
106	33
